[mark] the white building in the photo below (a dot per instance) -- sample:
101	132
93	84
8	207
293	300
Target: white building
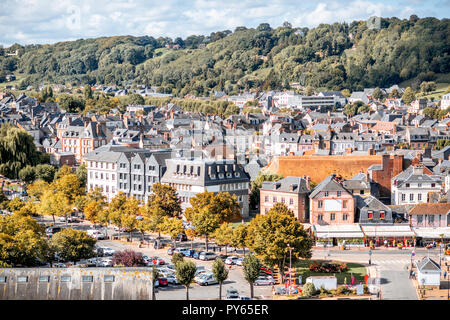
428	272
413	185
445	101
328	283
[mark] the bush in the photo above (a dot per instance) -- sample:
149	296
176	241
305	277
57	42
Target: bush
309	290
366	289
343	290
326	267
128	258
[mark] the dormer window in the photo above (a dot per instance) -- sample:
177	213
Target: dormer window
370	215
220	175
229	175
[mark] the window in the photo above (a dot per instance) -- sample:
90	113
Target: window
326	193
87	278
320	217
344	204
22	279
339	193
291	201
361	191
419	196
411	197
419	185
2	279
266	199
282	200
419	219
113	177
274	199
407	185
44	279
320	204
430	219
433	185
403	197
332	216
382	215
108	278
345	217
370	215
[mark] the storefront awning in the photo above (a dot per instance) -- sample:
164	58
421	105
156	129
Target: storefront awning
433	233
392	231
338	231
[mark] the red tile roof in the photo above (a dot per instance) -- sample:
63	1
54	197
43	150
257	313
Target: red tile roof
430	208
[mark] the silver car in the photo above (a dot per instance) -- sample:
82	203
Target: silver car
264	281
207	256
207	280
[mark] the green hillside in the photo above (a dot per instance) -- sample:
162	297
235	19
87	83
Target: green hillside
333	56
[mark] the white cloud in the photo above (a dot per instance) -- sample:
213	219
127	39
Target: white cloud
44	21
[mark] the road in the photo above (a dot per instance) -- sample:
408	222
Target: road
391	265
235	278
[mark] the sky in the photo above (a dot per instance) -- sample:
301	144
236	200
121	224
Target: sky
50	21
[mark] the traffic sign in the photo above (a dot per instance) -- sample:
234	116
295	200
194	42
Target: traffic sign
413	253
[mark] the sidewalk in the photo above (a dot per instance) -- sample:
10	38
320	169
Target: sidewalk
432	293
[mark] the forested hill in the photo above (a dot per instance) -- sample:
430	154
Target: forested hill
333	56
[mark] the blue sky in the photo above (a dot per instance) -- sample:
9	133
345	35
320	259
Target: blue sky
50	21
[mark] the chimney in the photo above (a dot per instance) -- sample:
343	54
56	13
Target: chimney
97	128
308	183
69	120
141	141
418	170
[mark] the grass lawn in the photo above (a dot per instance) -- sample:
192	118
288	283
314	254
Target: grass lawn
358	270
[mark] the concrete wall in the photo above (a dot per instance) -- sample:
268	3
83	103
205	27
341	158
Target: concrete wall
128	284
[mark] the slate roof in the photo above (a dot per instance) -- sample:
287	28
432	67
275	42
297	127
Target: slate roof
297	184
427	264
328	184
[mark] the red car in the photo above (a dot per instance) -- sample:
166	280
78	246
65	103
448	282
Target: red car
156	261
163	282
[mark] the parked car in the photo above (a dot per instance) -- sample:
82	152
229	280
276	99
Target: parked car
245	298
163	282
105	262
170	266
264	281
207	256
96	234
200	274
196	254
182	237
73	220
170	251
172	279
239	261
188	252
231	260
50	231
108	251
232	294
207	279
62	219
155	261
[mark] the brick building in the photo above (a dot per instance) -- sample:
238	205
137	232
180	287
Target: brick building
331	203
291	191
384	172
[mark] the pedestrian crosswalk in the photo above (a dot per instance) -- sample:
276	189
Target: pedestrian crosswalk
388	264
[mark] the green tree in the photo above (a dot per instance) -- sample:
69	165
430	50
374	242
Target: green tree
408	96
73	245
27	174
87	92
135	99
220	273
45	172
257	184
54	204
346	93
70	103
208	211
177	257
270	234
251	266
377	94
427	86
309	91
173	227
17	150
223	236
185	273
81	174
240	237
